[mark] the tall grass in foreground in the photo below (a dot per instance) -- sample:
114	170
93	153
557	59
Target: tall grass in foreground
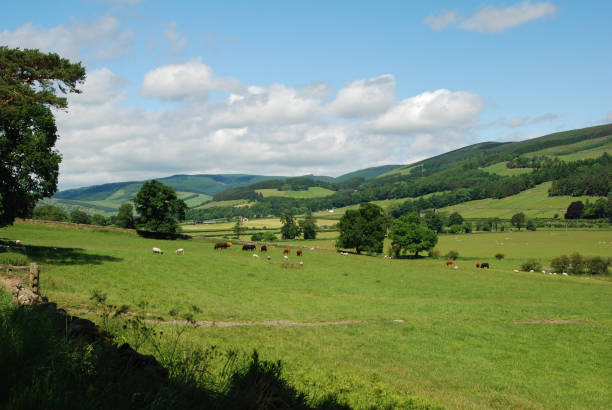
42	368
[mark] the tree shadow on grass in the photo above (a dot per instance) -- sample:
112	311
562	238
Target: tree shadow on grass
65	256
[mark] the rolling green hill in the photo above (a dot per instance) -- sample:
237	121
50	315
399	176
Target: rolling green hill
470	167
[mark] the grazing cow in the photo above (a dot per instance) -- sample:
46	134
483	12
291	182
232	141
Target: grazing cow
301	264
248	247
229	245
299	252
268	257
449	263
455	267
286	251
255	255
221	245
484	265
264	248
157	250
180	251
286	257
516	271
478	264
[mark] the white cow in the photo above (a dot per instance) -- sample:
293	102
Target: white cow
157	250
180	251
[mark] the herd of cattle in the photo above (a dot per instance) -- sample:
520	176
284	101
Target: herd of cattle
451	263
245	247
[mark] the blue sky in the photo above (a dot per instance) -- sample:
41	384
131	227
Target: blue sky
289	88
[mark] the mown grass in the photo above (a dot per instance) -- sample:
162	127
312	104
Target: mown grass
534	203
311	192
458	344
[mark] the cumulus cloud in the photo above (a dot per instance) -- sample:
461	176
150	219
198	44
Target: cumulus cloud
105	36
544	117
276	104
364	98
494	19
437	110
189	80
440	22
517	122
275	130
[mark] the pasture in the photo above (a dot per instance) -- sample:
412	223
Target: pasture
311	192
533	202
373	331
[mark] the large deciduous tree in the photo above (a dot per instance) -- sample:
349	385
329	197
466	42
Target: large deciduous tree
159	208
518	220
407	235
31	83
363	229
308	225
290	229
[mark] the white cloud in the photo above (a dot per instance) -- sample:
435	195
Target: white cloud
517	122
364	98
441	21
189	80
493	19
276	104
276	130
105	36
544	117
437	110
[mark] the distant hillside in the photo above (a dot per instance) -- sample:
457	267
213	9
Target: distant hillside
368	173
478	167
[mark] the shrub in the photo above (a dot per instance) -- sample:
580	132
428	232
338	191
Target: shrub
263	237
577	263
531	226
499	256
454	229
467	227
597	265
560	264
452	255
531	264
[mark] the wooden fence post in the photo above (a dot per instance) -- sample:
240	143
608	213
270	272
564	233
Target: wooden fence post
34	277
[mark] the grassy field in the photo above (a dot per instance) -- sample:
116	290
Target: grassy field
581	150
501	169
233	202
533	203
311	192
462	338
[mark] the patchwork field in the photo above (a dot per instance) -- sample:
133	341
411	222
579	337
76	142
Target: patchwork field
311	192
372	331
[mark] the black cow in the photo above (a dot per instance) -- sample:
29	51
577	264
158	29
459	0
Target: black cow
264	248
484	265
248	247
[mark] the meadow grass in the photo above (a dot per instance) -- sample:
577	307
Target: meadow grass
311	192
534	203
501	169
591	148
458	344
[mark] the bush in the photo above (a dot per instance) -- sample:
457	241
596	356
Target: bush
454	229
531	264
560	264
467	227
263	237
499	256
531	226
453	255
598	265
577	263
